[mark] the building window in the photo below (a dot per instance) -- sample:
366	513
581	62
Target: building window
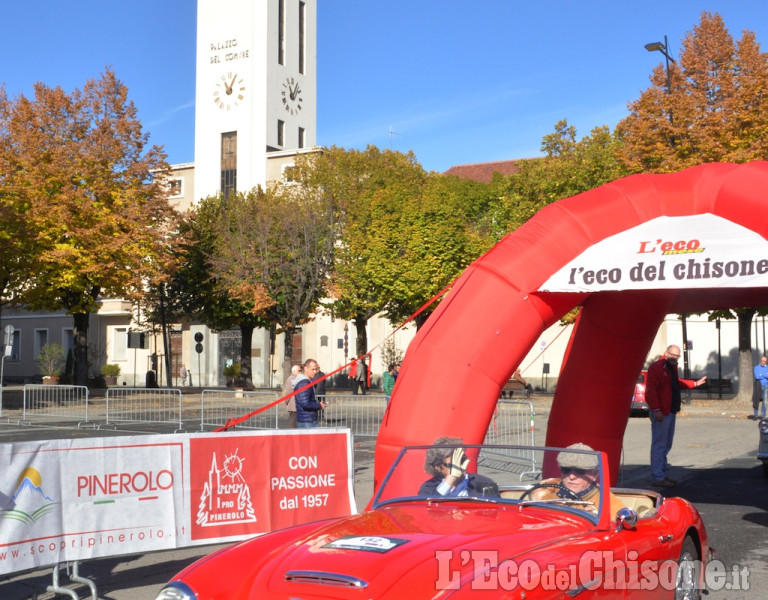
16	346
280	133
229	163
323	340
301	137
339	343
68	339
41	339
287	173
119	343
281	32
302	35
175	188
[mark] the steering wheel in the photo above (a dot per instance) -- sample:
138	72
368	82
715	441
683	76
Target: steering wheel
557	486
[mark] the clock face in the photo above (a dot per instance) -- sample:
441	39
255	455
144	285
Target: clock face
229	91
291	96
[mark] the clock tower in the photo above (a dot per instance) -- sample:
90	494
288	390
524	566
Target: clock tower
255	89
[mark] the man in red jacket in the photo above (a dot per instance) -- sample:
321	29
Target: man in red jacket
662	393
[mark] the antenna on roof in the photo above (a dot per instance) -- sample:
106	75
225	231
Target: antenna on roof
391	133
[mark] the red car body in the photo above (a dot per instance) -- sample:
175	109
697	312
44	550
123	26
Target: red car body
497	546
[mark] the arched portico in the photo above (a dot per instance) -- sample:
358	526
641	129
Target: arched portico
629	253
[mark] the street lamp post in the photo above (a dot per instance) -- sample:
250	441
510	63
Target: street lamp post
719	359
346	342
686	348
664	49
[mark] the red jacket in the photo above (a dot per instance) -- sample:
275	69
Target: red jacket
658	387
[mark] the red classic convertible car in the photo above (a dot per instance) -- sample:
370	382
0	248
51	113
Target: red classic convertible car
474	526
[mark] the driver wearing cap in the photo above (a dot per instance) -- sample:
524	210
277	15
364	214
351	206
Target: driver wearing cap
579	479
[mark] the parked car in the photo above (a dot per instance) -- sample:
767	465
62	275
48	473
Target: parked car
501	541
762	448
638	407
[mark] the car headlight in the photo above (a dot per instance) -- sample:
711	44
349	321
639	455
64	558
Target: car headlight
763	426
176	590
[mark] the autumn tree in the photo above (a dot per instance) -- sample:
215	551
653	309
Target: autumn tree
17	240
274	251
715	110
79	164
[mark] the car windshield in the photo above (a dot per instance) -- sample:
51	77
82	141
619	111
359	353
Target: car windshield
563	479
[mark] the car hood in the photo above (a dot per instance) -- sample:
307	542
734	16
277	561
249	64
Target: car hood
385	550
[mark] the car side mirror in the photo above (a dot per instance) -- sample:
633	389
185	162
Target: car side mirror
626	518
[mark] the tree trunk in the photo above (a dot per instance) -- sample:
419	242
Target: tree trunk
361	339
745	354
80	353
287	352
421	318
246	364
166	340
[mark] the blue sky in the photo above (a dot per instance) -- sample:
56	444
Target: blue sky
456	81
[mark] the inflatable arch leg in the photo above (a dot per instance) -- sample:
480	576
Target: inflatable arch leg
607	350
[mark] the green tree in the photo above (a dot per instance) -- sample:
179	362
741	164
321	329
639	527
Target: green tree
196	289
438	234
79	164
570	167
560	142
274	251
368	191
405	234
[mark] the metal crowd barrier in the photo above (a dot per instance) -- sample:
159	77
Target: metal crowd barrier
361	413
512	424
144	405
57	402
218	406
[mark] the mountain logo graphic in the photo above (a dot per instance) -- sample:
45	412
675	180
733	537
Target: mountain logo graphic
29	502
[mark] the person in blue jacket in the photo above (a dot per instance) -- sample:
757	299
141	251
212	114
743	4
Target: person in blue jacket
761	377
307	406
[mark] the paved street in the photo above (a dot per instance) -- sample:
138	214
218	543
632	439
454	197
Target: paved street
713	459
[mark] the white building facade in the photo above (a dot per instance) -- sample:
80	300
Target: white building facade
256	88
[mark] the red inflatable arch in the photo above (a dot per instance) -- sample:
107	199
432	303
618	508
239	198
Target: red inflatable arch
629	252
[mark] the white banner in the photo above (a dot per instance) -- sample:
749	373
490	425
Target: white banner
699	251
65	500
